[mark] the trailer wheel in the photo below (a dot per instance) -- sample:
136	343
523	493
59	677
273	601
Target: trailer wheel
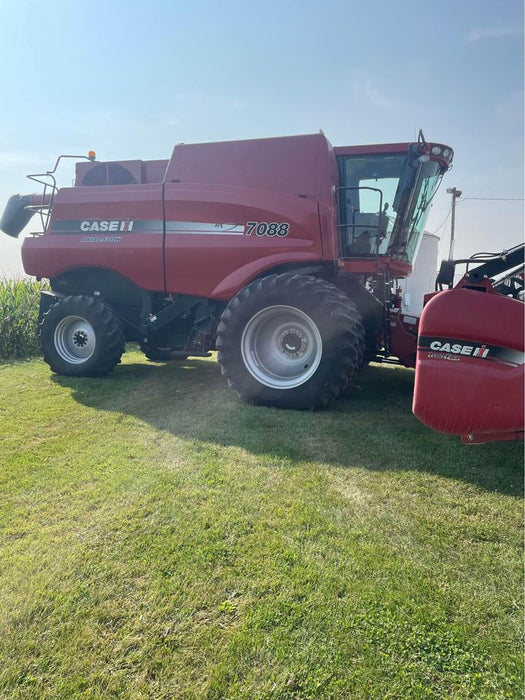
81	337
289	340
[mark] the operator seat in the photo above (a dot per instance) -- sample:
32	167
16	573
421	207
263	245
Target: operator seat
367	232
363	234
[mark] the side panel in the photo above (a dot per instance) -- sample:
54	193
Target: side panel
219	238
469	370
117	228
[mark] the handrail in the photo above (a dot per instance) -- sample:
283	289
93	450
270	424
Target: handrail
353	225
35	177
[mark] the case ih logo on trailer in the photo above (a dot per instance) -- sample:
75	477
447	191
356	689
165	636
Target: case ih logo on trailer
282	254
460	349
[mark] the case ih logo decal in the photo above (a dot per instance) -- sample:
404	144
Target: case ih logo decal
106	225
186	228
459	349
449	349
111	226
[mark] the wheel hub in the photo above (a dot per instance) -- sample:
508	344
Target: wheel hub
80	338
293	342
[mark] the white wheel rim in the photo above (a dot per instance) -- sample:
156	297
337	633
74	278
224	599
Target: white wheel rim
74	339
281	347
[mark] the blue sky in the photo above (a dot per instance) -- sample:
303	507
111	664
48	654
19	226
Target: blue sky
132	78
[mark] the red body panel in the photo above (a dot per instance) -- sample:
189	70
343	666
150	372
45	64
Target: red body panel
137	256
371	265
218	183
217	264
403	337
297	165
469	370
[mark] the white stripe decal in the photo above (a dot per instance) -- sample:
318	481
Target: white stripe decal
203	228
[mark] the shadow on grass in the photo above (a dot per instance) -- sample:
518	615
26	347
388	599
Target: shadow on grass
370	427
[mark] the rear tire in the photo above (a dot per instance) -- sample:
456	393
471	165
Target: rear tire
81	337
291	341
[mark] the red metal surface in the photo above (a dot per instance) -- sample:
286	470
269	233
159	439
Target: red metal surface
469	370
370	265
137	256
218	266
299	165
403	337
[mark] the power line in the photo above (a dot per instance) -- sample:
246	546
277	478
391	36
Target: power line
443	222
494	199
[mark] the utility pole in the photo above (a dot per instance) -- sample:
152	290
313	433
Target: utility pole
456	194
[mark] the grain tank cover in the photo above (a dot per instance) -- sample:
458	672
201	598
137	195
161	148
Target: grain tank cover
297	165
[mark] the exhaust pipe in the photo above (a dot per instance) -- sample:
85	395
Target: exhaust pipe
17	215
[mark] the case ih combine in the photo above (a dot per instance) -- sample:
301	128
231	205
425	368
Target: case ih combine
281	253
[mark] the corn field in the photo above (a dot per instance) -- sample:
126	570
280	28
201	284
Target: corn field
19	300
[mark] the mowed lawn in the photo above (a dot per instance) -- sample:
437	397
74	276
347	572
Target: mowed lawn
160	539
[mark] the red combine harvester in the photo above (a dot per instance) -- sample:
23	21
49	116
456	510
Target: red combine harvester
282	254
470	358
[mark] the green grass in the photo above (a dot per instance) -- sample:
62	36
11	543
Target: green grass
19	317
159	539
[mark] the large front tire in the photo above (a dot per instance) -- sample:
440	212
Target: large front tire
81	337
289	340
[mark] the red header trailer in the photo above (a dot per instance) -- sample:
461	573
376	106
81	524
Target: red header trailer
470	356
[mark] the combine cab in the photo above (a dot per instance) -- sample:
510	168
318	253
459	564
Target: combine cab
470	356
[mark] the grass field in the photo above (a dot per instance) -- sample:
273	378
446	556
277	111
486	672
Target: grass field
159	539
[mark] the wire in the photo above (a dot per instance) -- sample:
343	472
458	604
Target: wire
493	199
442	223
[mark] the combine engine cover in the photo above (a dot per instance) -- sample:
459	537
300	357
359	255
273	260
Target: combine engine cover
469	370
